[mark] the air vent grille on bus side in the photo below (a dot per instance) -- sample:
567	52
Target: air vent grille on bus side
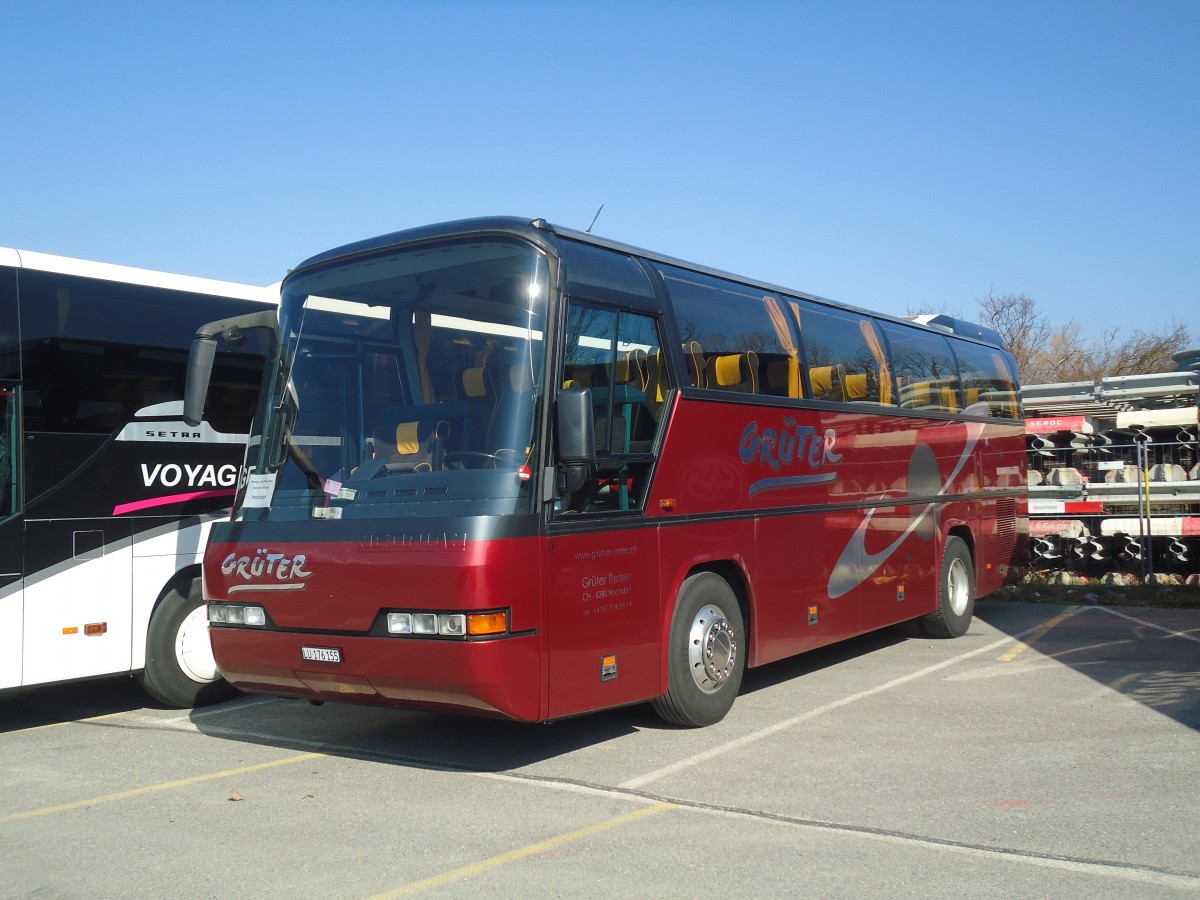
1006	526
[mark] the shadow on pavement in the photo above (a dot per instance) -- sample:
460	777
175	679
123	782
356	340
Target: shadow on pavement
460	742
1151	656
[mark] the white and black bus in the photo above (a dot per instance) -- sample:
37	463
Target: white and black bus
106	495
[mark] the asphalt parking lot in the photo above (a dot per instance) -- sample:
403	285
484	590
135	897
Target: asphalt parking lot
1051	752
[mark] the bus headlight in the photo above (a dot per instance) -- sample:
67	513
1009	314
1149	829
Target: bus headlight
448	625
236	614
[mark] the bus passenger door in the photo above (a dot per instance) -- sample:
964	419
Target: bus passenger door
12	528
602	570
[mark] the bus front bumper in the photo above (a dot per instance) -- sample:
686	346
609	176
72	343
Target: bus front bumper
493	678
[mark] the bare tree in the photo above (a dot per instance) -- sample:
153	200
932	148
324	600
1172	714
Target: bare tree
1139	354
1048	354
1026	331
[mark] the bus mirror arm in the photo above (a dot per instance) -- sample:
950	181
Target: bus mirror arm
204	352
571	479
199	370
576	438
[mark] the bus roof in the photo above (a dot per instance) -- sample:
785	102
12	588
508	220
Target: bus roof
536	230
66	265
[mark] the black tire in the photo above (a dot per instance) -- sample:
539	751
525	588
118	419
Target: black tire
956	593
180	672
707	653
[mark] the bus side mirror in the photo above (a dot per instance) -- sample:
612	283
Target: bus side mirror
204	351
576	437
199	371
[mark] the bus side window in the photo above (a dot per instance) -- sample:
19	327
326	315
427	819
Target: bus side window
734	338
846	363
988	380
925	369
8	451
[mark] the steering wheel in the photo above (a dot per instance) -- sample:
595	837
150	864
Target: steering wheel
461	456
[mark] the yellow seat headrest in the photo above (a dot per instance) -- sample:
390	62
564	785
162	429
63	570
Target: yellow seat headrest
473	382
728	370
406	438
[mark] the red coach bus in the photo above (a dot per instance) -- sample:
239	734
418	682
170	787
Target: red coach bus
507	468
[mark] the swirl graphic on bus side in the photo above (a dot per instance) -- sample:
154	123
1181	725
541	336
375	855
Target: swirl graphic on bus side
856	564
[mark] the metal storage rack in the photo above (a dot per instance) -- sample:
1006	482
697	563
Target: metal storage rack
1114	476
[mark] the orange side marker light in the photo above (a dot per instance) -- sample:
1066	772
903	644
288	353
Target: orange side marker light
487	623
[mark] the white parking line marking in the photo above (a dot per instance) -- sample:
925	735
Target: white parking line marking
1171	631
753	737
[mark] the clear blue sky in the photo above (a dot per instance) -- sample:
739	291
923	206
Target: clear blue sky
892	155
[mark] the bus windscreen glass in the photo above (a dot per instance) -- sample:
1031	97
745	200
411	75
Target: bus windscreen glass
407	387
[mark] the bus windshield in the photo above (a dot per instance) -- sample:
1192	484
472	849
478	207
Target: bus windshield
407	386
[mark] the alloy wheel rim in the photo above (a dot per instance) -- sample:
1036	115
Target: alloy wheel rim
712	649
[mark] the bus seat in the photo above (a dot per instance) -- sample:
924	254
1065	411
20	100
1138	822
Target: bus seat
631	369
856	386
776	377
411	446
916	395
950	397
649	412
520	381
510	418
733	372
579	375
657	384
473	384
826	382
476	387
931	395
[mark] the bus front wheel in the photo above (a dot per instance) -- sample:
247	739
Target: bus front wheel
180	671
707	653
956	593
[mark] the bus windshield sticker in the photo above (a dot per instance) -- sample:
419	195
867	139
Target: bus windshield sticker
260	488
335	490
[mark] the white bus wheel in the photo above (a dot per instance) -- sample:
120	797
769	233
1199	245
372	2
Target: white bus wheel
180	671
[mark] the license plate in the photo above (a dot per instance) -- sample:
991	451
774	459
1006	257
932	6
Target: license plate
321	654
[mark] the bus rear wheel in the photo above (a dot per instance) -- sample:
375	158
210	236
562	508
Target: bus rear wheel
180	671
956	593
706	655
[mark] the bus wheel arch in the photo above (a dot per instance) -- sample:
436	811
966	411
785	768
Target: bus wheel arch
180	671
956	587
706	648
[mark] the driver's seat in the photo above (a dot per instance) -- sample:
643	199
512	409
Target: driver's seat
411	446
